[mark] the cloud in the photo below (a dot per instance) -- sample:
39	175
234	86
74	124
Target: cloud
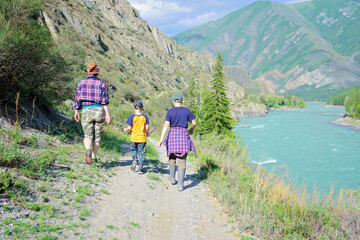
153	10
295	1
198	20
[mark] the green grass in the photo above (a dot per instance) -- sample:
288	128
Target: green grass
105	191
112	227
134	224
30	175
153	177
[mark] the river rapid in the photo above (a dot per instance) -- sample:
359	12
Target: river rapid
312	150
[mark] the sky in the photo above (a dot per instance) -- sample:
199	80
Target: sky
175	16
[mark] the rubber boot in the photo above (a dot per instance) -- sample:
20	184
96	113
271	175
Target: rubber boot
181	176
172	170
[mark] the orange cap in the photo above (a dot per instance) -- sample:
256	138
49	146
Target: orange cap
93	69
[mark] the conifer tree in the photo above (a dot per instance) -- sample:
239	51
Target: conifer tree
217	117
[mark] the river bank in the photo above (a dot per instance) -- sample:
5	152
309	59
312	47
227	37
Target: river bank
347	122
344	121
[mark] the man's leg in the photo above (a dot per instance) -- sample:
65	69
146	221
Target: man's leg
88	155
98	127
87	143
95	148
87	126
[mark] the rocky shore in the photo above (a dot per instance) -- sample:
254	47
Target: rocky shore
287	109
347	122
250	110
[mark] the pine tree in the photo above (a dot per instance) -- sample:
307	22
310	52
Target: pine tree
217	117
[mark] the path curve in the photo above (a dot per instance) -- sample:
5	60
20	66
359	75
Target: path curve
148	207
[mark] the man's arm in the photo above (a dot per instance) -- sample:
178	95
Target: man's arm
191	130
107	113
77	103
164	130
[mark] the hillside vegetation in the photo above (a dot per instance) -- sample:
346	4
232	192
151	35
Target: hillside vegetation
30	61
312	44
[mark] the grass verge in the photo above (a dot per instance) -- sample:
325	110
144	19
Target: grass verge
270	206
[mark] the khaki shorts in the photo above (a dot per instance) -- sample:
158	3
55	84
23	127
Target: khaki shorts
92	121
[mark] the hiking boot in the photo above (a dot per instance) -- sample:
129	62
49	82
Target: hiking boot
88	159
172	170
181	176
140	170
133	165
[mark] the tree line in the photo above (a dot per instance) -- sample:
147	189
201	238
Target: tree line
350	99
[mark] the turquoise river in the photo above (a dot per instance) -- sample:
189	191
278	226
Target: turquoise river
312	150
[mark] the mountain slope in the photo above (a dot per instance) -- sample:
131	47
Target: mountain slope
284	46
133	56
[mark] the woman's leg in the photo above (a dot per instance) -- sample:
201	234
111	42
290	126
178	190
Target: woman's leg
181	171
172	168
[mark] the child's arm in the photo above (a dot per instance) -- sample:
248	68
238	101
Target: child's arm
147	129
128	128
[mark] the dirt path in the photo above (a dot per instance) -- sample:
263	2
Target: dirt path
148	207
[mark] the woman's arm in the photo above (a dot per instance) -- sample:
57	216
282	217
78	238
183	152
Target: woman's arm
164	130
191	130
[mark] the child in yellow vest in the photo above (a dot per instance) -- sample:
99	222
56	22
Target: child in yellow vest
138	125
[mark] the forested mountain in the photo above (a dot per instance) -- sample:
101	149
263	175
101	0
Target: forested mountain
286	46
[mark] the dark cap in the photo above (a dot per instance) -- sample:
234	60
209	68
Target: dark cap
138	104
177	96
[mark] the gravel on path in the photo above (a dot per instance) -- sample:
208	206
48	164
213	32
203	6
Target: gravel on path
147	206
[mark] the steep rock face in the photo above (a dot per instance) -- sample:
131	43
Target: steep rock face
131	54
286	46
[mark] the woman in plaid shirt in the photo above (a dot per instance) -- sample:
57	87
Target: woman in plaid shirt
93	98
178	142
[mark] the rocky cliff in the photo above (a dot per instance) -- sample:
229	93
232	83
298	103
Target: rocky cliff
132	55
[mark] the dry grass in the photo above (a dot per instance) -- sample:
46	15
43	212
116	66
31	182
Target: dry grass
273	206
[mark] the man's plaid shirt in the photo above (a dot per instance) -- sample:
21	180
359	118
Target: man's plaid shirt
91	91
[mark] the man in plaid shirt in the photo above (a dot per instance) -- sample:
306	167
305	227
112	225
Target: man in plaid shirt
178	142
93	98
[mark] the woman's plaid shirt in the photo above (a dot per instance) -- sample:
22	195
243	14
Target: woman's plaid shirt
178	142
91	91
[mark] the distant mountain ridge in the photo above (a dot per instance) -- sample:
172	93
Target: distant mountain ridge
286	46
